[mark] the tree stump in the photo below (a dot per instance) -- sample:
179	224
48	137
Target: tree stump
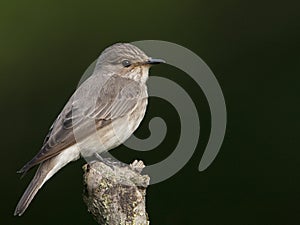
115	194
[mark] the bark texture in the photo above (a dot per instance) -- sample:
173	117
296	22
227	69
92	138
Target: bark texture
115	194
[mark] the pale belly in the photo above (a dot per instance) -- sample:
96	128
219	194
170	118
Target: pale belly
114	134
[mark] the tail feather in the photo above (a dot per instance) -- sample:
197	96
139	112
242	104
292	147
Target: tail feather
37	182
45	171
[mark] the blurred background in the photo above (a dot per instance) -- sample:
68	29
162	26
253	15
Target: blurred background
251	46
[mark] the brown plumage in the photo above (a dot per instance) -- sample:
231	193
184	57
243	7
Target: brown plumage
102	113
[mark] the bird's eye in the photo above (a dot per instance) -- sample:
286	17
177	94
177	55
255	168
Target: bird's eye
126	63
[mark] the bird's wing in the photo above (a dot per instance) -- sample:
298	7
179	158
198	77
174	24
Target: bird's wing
103	103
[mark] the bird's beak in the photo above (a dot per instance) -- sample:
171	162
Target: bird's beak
155	61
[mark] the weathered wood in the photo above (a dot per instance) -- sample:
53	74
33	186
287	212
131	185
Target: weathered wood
114	194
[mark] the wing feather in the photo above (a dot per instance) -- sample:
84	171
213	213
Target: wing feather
115	98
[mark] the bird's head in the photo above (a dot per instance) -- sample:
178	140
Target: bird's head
126	60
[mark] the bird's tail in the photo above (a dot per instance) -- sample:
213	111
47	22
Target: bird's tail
42	174
45	171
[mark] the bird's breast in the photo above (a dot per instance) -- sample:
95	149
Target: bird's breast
116	132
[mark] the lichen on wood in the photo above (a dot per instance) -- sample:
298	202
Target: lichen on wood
115	194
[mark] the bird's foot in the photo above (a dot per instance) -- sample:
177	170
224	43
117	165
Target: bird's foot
109	161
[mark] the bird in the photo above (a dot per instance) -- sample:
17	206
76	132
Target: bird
102	113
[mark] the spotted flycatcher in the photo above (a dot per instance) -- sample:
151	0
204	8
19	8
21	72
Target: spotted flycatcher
101	114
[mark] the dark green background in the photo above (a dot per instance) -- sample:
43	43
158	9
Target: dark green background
252	48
